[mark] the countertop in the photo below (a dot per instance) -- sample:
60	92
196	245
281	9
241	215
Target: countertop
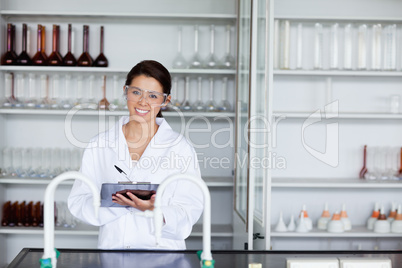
29	257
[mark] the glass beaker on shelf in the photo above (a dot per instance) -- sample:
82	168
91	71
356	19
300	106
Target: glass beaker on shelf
7	162
195	62
199	105
17	162
26	157
55	97
19	91
104	103
210	106
44	92
80	96
211	61
186	106
179	62
31	100
228	61
224	105
9	97
36	162
116	103
65	98
92	103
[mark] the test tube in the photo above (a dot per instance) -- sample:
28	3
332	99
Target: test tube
285	40
390	47
318	46
334	48
376	47
347	59
299	44
362	47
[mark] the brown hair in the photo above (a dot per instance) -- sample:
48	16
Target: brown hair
154	69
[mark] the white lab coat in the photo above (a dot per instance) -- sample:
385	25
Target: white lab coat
122	228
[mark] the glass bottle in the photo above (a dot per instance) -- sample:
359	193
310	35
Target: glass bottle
44	92
211	61
175	104
115	104
39	58
376	48
362	47
85	59
6	213
195	61
31	100
179	62
9	97
55	96
210	105
186	106
44	41
23	58
285	45
104	103
55	58
318	46
347	48
65	100
224	105
101	60
199	104
91	104
334	46
228	61
69	59
19	91
9	58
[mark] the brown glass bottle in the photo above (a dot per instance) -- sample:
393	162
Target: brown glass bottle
9	57
13	214
39	58
69	59
28	214
85	59
13	41
23	58
101	60
55	58
44	41
6	213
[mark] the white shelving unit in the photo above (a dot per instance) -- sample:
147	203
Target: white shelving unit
364	118
148	33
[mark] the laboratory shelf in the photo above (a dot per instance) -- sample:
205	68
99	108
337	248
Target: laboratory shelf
77	112
218	230
100	70
337	73
334	183
357	231
339	18
117	15
210	181
322	114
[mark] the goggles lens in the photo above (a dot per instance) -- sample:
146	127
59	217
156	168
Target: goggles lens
152	97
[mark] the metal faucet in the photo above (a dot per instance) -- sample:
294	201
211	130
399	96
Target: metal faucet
49	254
206	255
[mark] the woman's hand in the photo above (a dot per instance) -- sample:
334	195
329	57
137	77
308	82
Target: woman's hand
134	201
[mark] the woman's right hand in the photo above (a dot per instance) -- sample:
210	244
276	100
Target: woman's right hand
134	201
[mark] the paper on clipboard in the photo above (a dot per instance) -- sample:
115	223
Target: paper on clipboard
141	190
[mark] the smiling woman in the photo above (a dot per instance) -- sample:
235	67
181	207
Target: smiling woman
135	145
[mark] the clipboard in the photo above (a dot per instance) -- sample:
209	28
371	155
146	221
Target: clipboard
143	190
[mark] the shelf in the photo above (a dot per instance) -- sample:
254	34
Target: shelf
357	231
210	181
115	15
337	73
305	115
334	183
74	112
340	19
219	230
100	70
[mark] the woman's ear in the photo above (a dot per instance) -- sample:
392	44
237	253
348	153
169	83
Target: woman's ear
167	100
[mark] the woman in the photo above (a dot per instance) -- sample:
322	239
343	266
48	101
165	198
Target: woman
145	147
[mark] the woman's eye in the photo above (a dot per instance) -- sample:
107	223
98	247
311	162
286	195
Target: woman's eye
153	96
136	92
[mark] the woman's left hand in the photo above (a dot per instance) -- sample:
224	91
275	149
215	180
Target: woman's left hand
134	201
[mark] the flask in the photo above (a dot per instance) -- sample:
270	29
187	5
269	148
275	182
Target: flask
85	59
101	60
69	59
55	58
23	58
39	58
9	58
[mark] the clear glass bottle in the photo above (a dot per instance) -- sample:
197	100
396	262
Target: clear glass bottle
211	61
186	106
228	61
210	106
224	105
318	46
104	103
195	62
179	62
199	105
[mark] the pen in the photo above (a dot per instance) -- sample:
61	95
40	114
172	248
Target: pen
121	171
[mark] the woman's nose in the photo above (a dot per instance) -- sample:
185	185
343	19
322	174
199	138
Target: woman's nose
143	100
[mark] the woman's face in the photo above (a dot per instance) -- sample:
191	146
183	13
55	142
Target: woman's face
140	109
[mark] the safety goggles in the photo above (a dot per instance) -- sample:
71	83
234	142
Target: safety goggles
153	98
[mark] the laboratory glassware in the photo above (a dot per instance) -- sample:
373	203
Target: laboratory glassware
104	103
224	105
55	96
211	61
19	91
9	96
186	106
69	59
228	61
9	58
318	45
44	92
115	104
199	104
195	62
362	47
85	60
23	58
334	47
55	59
101	60
210	106
285	45
179	62
40	57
